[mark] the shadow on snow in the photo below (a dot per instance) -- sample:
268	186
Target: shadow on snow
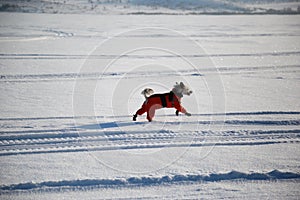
107	125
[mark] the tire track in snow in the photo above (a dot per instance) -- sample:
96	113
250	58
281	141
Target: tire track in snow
115	141
39	34
80	56
115	75
268	127
138	135
22	134
83	148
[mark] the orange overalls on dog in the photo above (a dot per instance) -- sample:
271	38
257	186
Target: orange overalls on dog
158	101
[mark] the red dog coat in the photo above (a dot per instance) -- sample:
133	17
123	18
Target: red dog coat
157	101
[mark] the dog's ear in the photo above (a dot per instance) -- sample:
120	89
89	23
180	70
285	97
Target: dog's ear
181	84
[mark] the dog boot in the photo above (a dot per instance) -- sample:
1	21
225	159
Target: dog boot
134	117
149	119
188	114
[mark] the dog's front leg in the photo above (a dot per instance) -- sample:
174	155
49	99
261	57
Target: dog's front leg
180	108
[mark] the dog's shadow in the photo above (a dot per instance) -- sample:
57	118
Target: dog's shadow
108	125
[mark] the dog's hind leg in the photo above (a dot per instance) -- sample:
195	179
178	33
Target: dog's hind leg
150	115
151	112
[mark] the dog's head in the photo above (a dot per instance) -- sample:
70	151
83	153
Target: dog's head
147	92
181	89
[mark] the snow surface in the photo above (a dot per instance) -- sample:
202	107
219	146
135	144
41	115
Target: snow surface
70	84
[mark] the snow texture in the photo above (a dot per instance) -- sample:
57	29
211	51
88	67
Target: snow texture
70	84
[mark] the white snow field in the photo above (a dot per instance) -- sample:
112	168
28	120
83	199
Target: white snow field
71	83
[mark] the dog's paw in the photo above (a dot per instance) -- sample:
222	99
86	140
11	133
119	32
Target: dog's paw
134	117
188	114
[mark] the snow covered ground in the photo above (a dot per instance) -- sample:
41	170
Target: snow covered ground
70	84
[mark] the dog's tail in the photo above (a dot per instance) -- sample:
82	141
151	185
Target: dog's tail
147	92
